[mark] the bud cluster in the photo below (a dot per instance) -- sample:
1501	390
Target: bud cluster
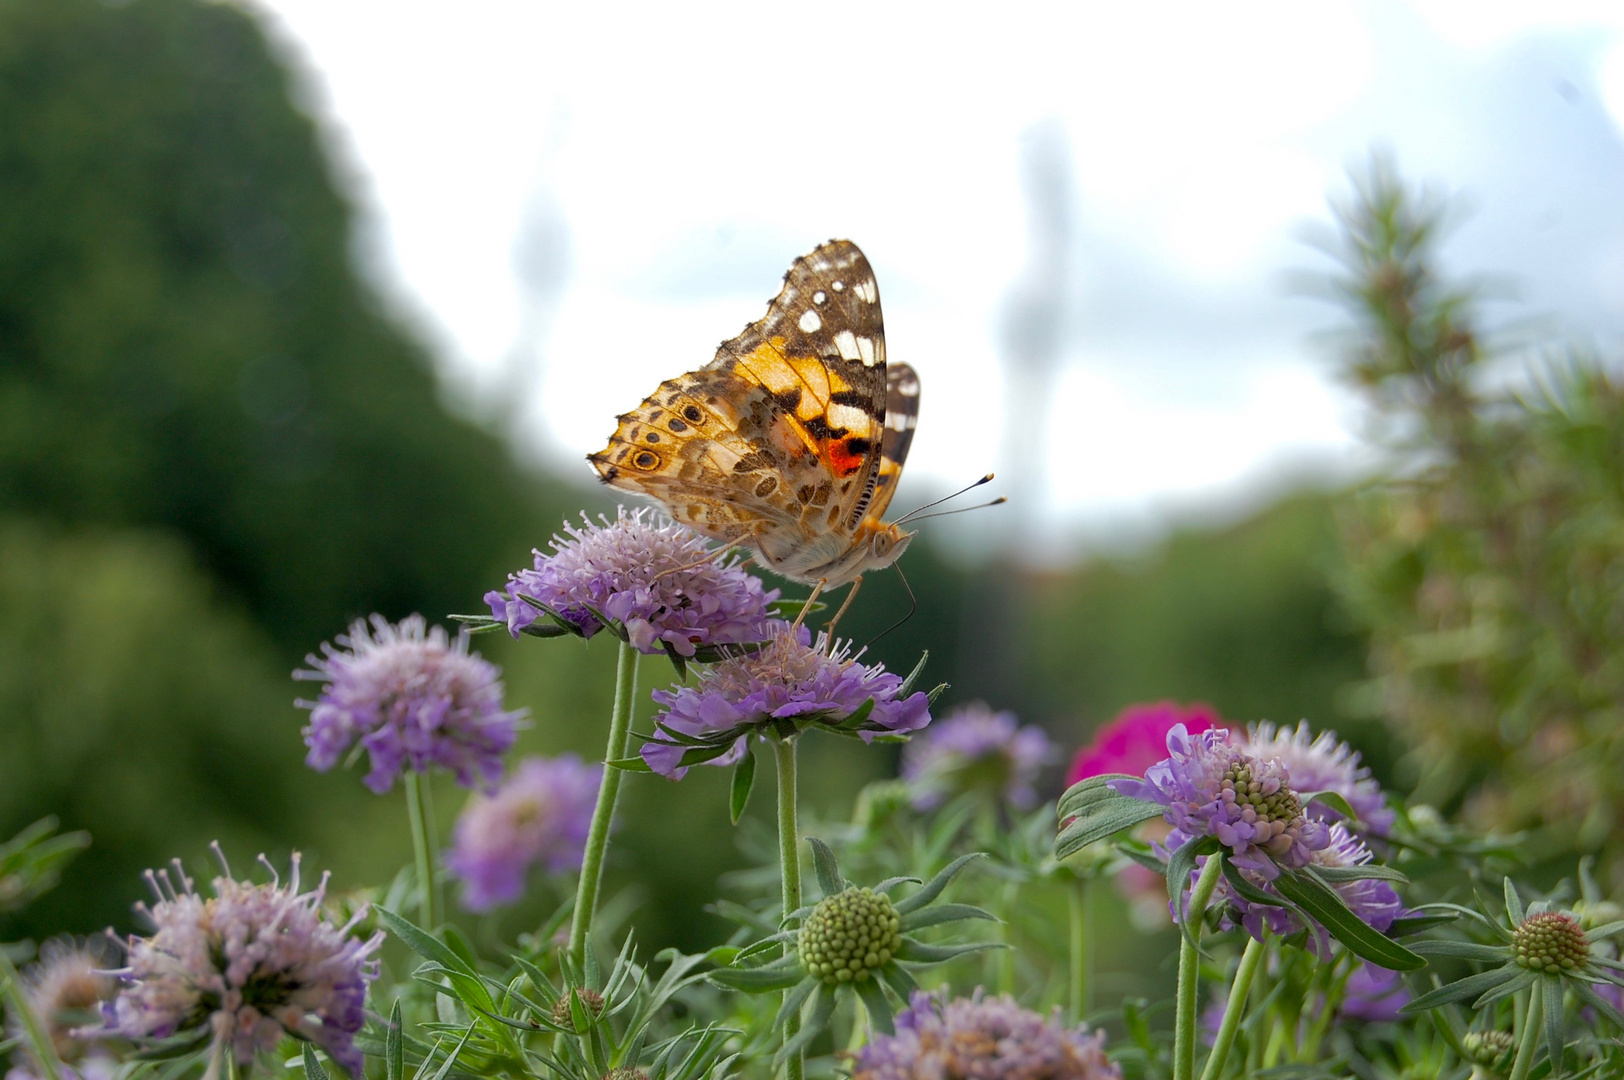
1489	1048
849	934
1268	805
1550	941
591	1003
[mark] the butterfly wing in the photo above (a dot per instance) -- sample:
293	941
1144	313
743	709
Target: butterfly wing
786	448
901	417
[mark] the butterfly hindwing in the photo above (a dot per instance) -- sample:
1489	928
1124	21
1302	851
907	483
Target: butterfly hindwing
901	417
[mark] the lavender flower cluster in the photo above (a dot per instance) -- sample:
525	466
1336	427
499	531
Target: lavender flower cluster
975	747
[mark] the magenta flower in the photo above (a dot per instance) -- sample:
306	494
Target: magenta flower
539	814
1212	787
981	1038
781	689
412	698
1137	739
1323	763
972	748
661	586
249	965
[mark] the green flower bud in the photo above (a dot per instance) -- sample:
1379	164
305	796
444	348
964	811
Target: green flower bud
1552	942
1488	1048
848	935
591	1001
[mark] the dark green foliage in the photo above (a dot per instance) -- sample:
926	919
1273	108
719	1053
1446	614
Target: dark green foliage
183	341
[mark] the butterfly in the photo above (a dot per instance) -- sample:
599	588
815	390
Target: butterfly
791	441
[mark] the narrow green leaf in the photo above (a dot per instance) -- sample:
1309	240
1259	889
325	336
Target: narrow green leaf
793	1001
744	778
1327	907
1102	820
913	676
1367	872
897	978
423	943
826	868
630	764
875	1004
857	717
1082	787
1516	984
1514	906
823	1007
1606	930
1335	801
1599	1003
917	952
760	980
936	914
1461	950
1403	927
1463	989
933	888
1556	1035
1180	865
394	1047
312	1067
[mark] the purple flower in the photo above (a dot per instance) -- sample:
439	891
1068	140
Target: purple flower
663	583
412	698
249	964
783	687
540	814
980	1038
1375	995
1211	786
976	748
1322	763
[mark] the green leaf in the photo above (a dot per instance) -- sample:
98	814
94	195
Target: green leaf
394	1047
1556	1036
936	691
780	976
793	1000
875	1004
934	887
1327	907
1335	801
423	943
857	718
1463	989
1065	807
1180	865
913	676
823	1007
630	764
1514	906
1607	930
1367	872
1403	927
917	952
937	914
312	1067
897	978
744	778
1461	950
1597	1002
678	661
827	869
1101	819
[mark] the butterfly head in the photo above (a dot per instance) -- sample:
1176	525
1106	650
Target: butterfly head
874	546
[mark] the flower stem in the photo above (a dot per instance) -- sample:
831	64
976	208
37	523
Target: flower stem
1528	1037
39	1040
420	810
789	866
1233	1009
1189	970
1082	947
603	814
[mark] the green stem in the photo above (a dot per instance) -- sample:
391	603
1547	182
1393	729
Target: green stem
1233	1008
420	810
603	815
1081	906
1528	1037
1189	970
789	867
39	1040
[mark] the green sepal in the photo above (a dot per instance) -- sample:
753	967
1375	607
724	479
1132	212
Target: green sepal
715	654
857	717
1597	1002
1514	905
913	676
942	913
901	983
830	880
1311	893
936	691
744	778
312	1067
1517	984
872	995
1605	930
793	1000
678	661
933	888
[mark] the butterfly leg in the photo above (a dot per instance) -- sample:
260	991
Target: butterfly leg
718	553
806	607
851	594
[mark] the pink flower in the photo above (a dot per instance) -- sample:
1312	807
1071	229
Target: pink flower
1137	738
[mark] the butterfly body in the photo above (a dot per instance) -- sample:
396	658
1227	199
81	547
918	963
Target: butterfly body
790	442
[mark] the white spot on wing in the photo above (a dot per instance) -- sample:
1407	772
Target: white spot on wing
819	297
867	291
849	417
810	321
838	286
865	349
846	342
900	421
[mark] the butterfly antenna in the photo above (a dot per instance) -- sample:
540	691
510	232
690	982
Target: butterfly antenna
913	606
910	515
962	510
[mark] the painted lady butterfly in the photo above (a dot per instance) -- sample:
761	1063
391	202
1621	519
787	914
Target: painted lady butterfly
790	442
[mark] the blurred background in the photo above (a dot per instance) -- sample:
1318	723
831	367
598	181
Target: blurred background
311	308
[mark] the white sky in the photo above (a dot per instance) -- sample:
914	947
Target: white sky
575	201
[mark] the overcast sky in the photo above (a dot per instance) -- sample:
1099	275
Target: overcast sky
572	202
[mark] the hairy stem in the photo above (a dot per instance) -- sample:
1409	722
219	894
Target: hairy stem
789	867
15	996
1233	1008
420	811
1189	970
603	814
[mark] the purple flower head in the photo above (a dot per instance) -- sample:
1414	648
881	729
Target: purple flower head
1371	899
981	1038
412	698
1322	763
787	685
1211	786
1375	995
249	964
539	814
977	749
663	583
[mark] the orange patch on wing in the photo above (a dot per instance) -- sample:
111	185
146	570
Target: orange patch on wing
842	459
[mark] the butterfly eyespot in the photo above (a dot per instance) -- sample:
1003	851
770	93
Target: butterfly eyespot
693	414
677	425
653	436
646	460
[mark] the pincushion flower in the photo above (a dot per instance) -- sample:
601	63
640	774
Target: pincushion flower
1136	738
412	698
1372	900
1210	786
975	748
982	1038
660	587
539	814
244	968
779	690
1323	763
65	989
